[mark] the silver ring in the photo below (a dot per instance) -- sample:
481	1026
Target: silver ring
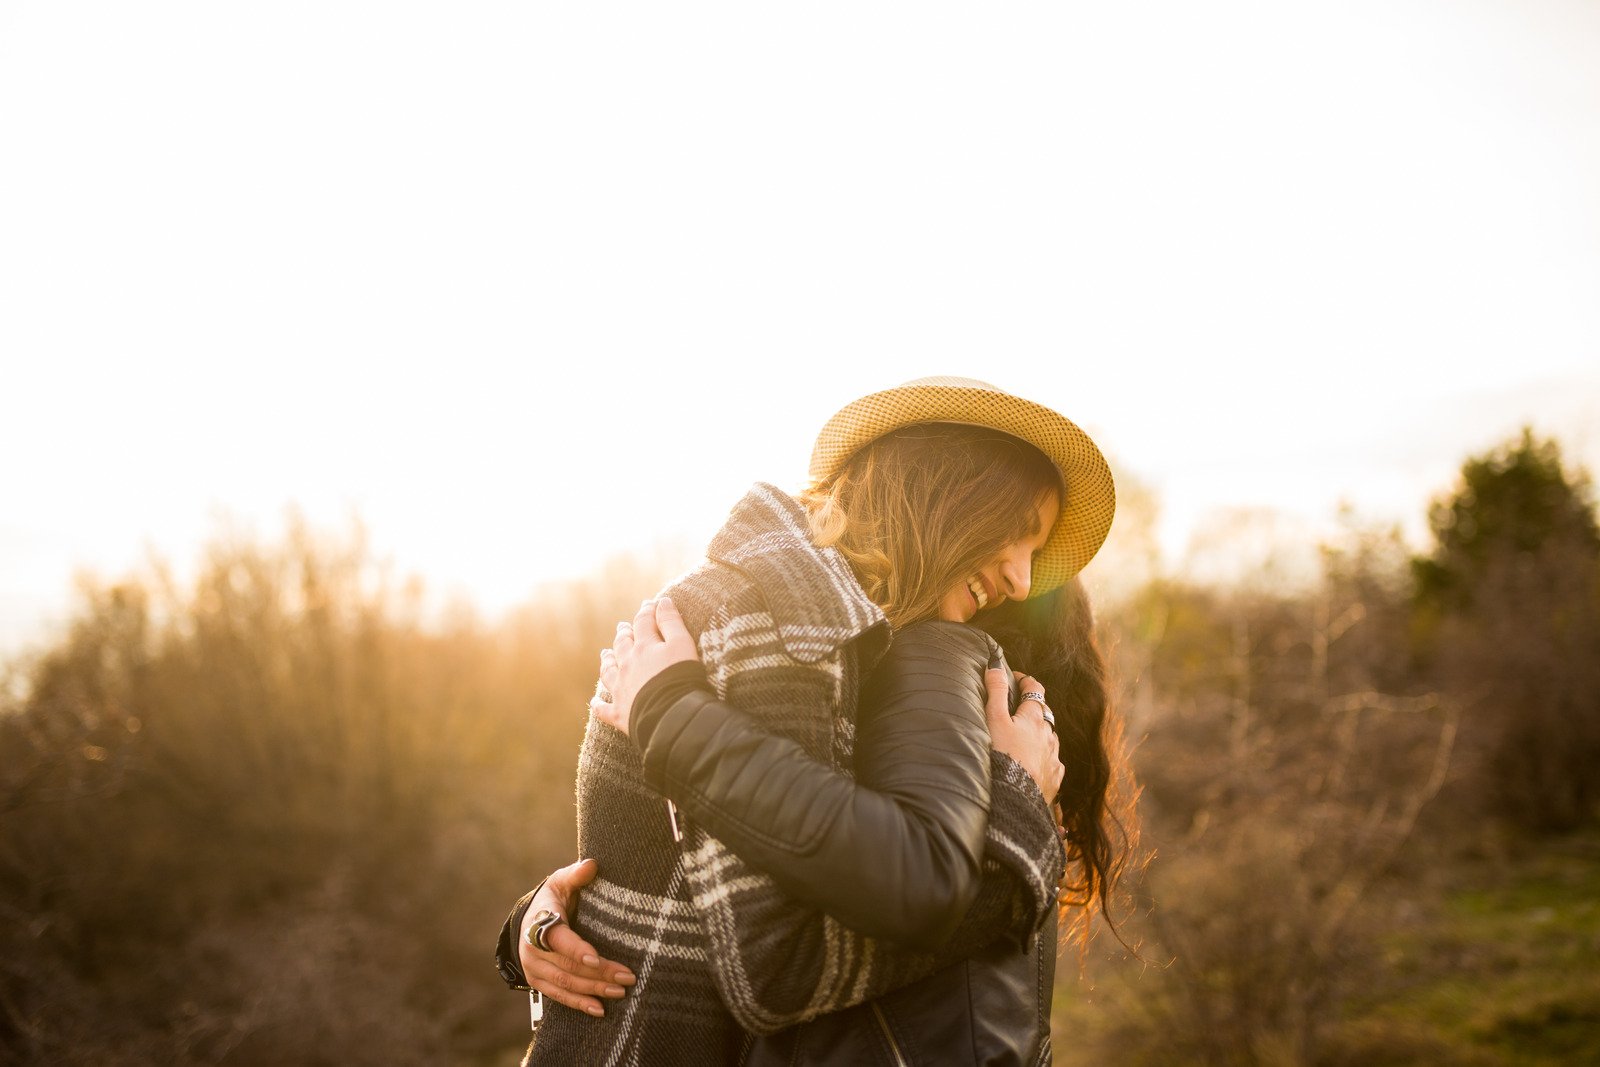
1035	696
544	920
1049	717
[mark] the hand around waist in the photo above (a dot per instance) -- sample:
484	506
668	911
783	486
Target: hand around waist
555	960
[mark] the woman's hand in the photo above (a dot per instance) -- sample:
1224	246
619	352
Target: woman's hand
572	973
1026	737
654	641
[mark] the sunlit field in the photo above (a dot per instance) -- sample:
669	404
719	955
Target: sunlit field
276	813
362	363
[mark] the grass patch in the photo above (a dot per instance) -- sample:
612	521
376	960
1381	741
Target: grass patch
1502	969
1500	966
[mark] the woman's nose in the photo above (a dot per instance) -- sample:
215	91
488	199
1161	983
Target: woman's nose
1016	575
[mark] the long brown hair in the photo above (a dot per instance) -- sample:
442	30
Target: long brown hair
1052	638
922	508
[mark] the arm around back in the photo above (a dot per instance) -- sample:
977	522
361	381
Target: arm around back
894	853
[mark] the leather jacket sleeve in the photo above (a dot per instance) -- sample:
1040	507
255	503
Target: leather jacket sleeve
894	853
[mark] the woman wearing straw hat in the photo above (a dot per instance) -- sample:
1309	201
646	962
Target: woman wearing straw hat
926	503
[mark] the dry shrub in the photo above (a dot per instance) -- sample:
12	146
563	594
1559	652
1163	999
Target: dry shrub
1525	661
277	817
1279	786
1260	909
1507	618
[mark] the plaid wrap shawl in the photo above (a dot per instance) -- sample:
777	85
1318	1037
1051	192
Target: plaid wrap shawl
786	633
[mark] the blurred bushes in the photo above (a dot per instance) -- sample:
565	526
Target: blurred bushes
1507	614
276	815
1282	775
273	818
1317	762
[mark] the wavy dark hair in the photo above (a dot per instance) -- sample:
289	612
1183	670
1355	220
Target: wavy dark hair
1052	638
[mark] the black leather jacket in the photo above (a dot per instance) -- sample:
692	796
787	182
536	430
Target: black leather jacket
992	1008
898	860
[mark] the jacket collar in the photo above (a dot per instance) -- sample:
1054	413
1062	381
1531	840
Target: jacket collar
817	606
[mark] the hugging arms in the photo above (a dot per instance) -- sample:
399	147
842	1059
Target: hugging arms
896	854
932	501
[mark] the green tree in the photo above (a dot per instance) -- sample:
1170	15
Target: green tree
1518	498
1507	617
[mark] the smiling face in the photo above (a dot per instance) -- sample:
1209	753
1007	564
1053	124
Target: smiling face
1007	576
923	510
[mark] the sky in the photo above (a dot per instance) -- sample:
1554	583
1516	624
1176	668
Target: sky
527	286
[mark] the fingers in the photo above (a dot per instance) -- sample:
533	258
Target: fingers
577	986
562	973
572	972
580	960
607	713
1027	736
572	953
668	619
1055	771
670	624
605	708
564	978
997	702
644	623
1031	706
622	643
1053	778
551	985
567	881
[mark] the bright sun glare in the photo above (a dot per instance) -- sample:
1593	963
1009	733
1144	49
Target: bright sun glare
528	286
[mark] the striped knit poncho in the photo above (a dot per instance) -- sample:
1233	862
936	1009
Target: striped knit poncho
786	633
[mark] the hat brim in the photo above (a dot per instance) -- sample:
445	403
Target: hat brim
1090	494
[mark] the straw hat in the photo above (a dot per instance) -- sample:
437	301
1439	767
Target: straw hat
1091	498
